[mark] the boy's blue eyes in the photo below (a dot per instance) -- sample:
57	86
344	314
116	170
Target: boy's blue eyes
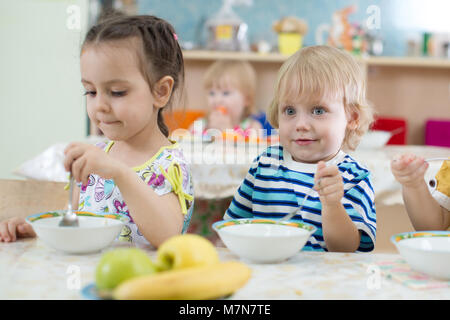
289	111
315	111
318	110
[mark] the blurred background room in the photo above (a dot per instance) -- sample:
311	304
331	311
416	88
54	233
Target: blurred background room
403	46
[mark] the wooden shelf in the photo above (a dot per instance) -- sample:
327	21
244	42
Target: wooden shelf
235	55
408	62
204	55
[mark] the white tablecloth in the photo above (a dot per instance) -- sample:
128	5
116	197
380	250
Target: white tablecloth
31	270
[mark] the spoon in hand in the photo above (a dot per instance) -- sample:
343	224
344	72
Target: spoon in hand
437	159
299	210
70	218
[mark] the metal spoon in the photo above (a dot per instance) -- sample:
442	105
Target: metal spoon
437	159
298	210
70	218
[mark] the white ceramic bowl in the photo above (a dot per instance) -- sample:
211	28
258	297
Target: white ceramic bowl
426	251
374	139
263	240
94	233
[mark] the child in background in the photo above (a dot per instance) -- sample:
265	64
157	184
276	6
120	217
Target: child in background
319	108
231	95
132	68
427	210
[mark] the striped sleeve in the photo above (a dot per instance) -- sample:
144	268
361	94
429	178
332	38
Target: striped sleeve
241	206
359	203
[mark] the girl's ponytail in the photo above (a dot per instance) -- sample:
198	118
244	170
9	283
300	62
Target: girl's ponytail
162	125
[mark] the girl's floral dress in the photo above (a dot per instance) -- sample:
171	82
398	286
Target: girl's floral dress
103	196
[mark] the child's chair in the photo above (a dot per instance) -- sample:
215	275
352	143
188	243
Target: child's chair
391	219
437	132
397	126
21	198
182	119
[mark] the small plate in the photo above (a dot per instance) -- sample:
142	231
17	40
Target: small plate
90	292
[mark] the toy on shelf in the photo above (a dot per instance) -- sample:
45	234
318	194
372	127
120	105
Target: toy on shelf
343	34
291	31
341	30
226	30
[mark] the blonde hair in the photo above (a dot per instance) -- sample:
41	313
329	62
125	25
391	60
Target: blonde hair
323	71
236	73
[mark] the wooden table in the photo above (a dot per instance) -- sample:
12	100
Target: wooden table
31	270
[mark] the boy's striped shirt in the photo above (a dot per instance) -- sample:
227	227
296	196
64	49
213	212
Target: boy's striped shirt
276	185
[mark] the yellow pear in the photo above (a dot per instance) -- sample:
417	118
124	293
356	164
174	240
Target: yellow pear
186	251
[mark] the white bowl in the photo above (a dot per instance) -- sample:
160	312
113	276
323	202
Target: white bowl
94	233
426	251
263	240
374	139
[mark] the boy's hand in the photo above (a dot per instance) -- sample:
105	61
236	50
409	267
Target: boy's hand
328	183
409	169
83	159
14	228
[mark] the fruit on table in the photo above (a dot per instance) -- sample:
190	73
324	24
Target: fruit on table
196	283
186	251
118	265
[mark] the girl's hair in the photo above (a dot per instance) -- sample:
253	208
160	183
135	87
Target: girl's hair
156	46
235	73
316	72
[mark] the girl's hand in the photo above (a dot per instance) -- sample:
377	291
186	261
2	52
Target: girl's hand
219	120
409	169
328	183
83	159
14	228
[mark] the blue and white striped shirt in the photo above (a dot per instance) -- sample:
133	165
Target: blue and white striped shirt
276	185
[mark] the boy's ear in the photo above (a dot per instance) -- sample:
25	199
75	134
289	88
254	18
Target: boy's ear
162	91
353	120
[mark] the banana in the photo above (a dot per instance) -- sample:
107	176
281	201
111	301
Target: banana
196	283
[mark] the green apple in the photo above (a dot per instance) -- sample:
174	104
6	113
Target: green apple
186	251
118	265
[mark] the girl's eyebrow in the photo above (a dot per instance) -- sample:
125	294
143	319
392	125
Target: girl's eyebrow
108	82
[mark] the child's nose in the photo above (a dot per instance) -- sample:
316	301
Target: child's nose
101	103
302	123
218	101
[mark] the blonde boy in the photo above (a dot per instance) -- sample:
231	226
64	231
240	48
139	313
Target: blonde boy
320	109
